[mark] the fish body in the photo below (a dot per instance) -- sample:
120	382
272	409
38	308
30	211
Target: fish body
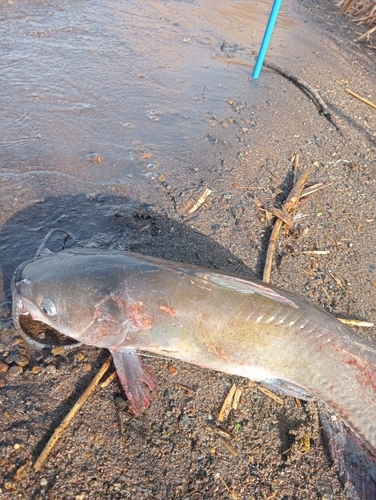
128	302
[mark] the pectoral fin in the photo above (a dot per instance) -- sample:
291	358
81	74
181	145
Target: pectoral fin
134	375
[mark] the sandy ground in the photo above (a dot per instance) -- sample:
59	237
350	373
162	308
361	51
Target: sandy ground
175	450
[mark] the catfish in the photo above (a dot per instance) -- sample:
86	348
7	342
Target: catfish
131	303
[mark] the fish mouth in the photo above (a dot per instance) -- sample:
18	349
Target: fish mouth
32	330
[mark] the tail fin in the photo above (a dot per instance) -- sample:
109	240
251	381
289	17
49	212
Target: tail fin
356	466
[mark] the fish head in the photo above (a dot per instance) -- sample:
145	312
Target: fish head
66	291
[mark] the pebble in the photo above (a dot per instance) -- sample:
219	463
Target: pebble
120	402
80	356
36	369
17	446
4	367
185	420
86	367
21	360
81	496
94	157
2	382
51	369
15	370
172	370
3	347
43	482
58	351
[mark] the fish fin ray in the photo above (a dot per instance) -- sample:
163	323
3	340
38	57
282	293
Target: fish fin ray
247	286
134	376
286	388
356	466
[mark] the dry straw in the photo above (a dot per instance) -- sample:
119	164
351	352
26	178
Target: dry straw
363	11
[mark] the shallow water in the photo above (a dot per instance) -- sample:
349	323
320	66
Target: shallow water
123	80
101	93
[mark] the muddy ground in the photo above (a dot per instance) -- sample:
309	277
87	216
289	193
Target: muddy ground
174	450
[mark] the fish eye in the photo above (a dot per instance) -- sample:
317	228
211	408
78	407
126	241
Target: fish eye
48	307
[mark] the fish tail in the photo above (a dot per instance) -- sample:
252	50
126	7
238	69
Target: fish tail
355	464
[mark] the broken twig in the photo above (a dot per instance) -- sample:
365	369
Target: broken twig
288	206
237	396
265	391
312	189
228	446
59	431
323	108
109	379
315	252
227	404
281	214
224	432
188	390
361	98
356	322
366	34
192	206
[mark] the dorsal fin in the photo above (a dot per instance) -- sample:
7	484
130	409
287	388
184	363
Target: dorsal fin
247	286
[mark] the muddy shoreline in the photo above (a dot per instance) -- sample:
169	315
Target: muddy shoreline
243	152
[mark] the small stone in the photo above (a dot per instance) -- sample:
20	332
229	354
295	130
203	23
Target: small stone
8	485
21	360
185	420
10	358
120	402
3	347
17	446
172	370
35	369
51	369
6	414
15	370
43	482
81	496
94	157
80	356
58	351
4	367
86	367
2	382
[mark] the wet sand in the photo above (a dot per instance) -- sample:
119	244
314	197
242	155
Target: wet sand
215	129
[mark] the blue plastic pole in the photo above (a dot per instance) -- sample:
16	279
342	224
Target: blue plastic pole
266	40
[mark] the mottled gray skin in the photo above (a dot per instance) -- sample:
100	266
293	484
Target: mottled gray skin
127	302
